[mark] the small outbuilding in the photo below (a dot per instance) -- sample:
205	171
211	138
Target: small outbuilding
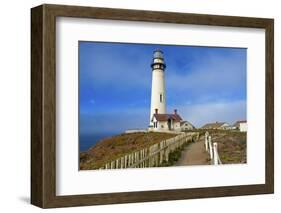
166	122
185	125
217	125
241	125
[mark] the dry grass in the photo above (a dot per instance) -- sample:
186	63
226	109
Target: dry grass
111	148
232	146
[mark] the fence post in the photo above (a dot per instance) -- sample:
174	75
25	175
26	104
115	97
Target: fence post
141	157
216	159
161	153
112	165
145	155
210	147
167	151
117	164
121	163
130	158
125	161
106	166
135	159
206	141
138	158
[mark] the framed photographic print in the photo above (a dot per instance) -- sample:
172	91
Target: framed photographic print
137	106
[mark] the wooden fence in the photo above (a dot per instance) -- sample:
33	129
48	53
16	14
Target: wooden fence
153	155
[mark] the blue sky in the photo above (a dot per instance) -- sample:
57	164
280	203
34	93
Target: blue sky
205	84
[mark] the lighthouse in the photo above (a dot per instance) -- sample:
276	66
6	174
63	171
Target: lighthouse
158	89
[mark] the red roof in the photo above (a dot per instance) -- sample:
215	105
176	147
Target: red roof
166	117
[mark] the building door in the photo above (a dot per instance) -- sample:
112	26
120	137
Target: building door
169	124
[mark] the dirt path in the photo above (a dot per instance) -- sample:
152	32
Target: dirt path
194	154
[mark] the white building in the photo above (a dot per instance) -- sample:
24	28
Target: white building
166	122
217	125
241	125
185	125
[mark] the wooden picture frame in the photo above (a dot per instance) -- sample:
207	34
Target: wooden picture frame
43	105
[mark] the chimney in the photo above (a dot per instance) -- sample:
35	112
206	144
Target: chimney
176	111
156	111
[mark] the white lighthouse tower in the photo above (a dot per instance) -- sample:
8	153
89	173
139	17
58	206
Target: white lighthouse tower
158	90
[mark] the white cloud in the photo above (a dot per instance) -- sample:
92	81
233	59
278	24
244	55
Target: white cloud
211	75
199	114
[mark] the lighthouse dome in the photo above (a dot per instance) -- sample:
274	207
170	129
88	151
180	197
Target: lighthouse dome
158	60
158	54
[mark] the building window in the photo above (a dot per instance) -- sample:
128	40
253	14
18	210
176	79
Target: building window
156	66
161	98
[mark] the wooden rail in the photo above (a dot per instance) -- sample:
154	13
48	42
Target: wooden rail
153	155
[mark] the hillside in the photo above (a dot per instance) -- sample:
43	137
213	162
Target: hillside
232	146
111	148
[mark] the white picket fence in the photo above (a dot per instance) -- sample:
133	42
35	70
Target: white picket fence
153	155
212	149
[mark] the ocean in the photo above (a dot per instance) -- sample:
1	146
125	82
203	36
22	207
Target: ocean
88	140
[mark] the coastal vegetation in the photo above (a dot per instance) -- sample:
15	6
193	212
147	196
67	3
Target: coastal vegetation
232	147
111	148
